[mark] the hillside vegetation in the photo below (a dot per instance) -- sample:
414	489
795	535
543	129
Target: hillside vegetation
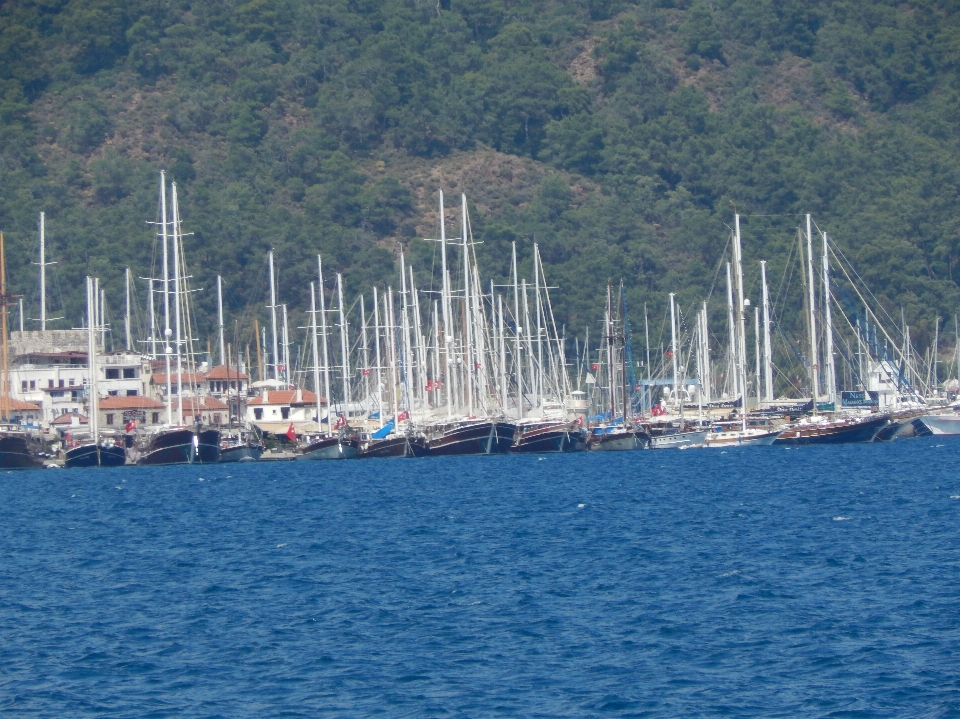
619	134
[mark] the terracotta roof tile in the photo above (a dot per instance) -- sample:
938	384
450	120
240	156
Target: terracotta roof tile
224	372
285	396
187	378
138	402
19	404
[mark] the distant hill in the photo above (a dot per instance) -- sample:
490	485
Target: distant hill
620	135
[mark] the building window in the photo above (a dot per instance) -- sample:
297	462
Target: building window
131	393
155	417
112	393
109	419
216	419
71	381
258	413
285	413
33	384
55	393
49	383
129	372
112	373
60	383
23	385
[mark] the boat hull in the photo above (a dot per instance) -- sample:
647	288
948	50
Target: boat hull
240	453
619	441
86	455
15	453
559	439
475	438
864	431
395	447
182	446
739	439
941	424
331	448
678	440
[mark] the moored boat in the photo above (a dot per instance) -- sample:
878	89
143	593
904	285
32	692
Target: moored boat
95	454
740	437
345	445
834	432
180	445
617	439
550	437
396	446
941	424
471	437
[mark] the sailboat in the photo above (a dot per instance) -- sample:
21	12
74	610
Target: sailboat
738	434
96	452
18	449
176	443
820	429
342	442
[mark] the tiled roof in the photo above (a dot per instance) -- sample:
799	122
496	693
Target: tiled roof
67	419
224	372
285	396
138	402
19	404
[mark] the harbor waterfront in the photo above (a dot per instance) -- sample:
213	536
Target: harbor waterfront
746	582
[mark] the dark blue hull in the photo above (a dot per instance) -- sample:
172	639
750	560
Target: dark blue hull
92	455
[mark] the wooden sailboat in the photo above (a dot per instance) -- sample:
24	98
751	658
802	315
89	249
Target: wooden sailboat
176	443
96	452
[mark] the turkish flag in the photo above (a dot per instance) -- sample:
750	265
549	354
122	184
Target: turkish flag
291	434
131	426
403	415
594	367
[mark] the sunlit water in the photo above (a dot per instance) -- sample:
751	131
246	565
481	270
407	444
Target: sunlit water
751	582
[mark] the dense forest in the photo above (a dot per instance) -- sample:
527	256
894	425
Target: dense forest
618	134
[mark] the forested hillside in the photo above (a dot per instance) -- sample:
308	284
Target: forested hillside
619	134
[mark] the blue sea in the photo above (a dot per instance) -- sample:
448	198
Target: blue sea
764	582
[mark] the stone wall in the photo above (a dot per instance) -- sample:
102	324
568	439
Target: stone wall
49	341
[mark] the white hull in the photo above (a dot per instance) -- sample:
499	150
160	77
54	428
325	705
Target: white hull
755	438
678	440
941	424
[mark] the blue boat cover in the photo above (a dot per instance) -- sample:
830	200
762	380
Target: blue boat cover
383	431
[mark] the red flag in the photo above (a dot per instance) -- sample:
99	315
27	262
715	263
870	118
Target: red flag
668	353
131	426
366	372
403	415
291	434
594	367
429	387
341	422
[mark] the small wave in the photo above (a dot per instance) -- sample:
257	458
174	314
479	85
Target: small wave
841	519
199	479
955	496
581	506
729	574
281	545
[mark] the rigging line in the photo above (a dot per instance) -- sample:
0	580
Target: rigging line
785	279
834	249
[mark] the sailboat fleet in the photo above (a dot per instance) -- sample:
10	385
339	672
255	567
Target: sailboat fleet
464	366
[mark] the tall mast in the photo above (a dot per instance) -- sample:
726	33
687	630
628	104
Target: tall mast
518	365
705	372
468	361
366	351
316	352
405	331
526	320
812	307
646	335
673	347
94	399
767	352
175	227
538	380
445	305
936	349
126	316
344	350
286	349
43	275
223	356
623	353
611	371
392	346
376	344
732	331
503	355
167	332
756	349
741	331
323	335
4	299
436	355
273	316
831	377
